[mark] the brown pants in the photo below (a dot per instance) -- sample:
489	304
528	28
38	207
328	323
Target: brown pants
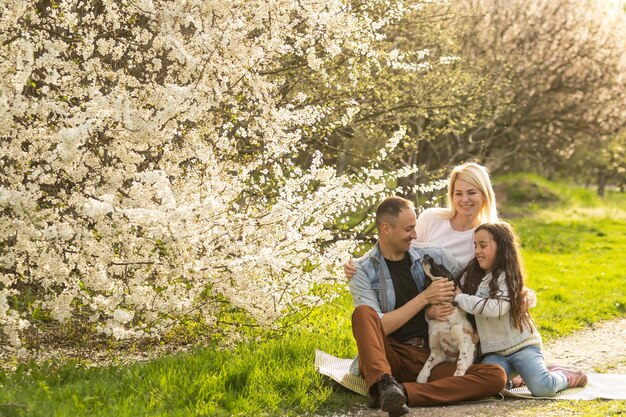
379	355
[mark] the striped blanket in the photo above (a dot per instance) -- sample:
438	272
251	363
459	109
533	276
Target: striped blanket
605	386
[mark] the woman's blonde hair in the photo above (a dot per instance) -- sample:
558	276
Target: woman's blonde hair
478	176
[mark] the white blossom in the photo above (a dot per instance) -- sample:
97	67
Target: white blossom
126	192
122	316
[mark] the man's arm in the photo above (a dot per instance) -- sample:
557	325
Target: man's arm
362	291
438	292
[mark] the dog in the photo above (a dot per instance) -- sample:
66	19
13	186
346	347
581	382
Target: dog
447	335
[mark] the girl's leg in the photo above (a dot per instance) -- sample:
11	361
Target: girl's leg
531	366
504	363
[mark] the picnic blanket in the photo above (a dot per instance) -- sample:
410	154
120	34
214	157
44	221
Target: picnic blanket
604	386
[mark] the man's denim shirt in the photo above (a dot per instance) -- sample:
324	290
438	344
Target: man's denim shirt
371	284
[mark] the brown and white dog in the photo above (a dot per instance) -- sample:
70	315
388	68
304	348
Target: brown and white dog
447	335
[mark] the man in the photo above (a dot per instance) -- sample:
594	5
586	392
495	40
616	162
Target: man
389	326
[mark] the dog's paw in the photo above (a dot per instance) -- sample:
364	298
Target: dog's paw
422	378
459	372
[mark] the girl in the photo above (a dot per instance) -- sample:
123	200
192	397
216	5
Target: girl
507	334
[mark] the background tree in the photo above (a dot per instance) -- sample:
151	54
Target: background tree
421	85
526	87
563	62
165	161
603	162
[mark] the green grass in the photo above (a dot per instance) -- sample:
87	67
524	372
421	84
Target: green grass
573	250
270	377
573	247
523	195
577	269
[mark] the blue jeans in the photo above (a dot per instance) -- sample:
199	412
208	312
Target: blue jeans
529	363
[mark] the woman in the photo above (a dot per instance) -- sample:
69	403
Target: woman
471	202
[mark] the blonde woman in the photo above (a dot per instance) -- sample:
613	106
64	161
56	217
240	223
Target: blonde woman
471	202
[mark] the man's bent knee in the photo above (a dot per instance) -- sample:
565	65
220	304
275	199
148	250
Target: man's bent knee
494	373
498	372
363	311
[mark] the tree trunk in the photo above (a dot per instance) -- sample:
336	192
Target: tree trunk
602	178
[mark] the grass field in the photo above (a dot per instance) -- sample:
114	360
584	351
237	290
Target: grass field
574	251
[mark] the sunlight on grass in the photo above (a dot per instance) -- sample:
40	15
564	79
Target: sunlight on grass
595	408
577	271
583	213
271	377
574	261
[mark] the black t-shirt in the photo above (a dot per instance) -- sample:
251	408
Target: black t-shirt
406	289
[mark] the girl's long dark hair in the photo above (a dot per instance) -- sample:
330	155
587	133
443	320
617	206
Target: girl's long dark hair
508	261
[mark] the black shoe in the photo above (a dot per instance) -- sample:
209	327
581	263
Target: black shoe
392	396
373	402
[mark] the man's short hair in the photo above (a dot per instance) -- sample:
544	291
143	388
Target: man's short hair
389	210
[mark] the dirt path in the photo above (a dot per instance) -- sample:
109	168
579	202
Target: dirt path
599	349
603	345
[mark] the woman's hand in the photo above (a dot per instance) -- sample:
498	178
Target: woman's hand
530	298
348	269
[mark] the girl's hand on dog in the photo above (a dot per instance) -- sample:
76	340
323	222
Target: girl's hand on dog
440	312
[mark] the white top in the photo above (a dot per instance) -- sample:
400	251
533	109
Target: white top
433	226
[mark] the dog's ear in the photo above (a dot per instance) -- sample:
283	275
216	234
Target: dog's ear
446	273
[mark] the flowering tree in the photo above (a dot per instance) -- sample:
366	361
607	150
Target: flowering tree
148	167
